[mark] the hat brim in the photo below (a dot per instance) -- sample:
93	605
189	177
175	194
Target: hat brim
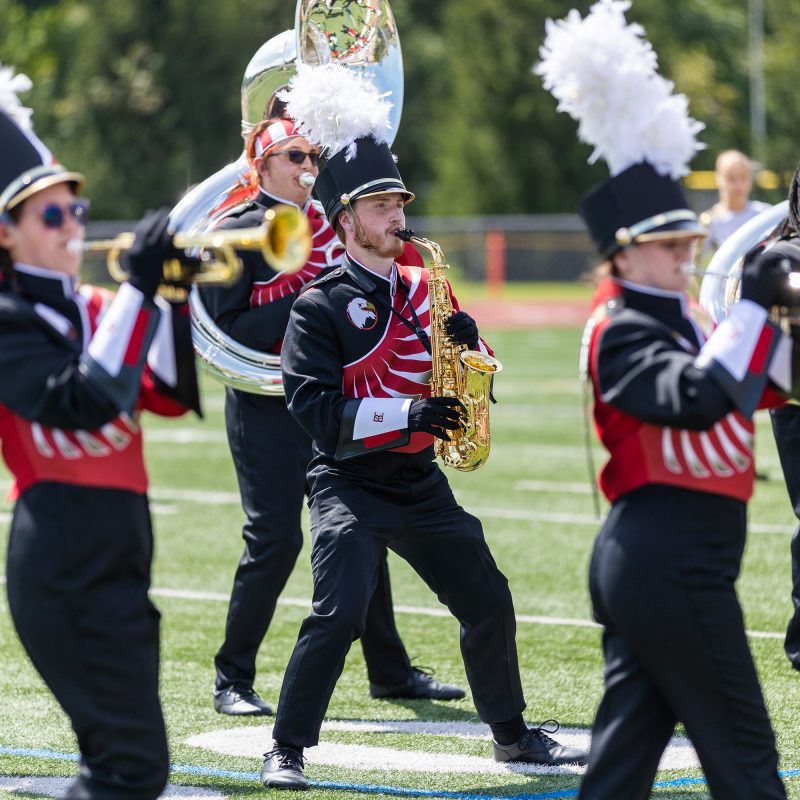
31	183
408	197
379	186
682	229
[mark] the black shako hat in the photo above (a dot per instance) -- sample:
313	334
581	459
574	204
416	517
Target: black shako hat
26	165
637	205
372	170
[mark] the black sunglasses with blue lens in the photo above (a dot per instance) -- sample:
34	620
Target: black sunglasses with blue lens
53	215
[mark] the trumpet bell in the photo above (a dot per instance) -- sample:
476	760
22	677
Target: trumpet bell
284	240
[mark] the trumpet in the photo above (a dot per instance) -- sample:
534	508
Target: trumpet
284	240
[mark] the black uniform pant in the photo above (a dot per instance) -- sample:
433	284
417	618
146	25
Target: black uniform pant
351	527
78	572
662	584
271	453
786	428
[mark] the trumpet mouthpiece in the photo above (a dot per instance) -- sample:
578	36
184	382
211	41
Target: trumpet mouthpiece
75	246
307	179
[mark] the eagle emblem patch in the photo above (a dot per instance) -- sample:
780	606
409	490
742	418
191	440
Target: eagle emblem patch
362	314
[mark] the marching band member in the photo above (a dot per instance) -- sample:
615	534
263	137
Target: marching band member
674	410
786	430
271	451
356	364
78	366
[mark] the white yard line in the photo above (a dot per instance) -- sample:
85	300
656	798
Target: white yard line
424	611
560	487
186	435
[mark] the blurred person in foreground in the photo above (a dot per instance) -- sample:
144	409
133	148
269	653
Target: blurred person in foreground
674	411
356	364
786	429
271	451
77	367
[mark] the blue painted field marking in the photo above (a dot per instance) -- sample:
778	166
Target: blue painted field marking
48	754
395	791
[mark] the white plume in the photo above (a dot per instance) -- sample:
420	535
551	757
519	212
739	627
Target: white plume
10	84
603	73
332	106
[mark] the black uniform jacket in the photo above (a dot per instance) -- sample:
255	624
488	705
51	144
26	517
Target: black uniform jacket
353	361
74	375
671	406
255	311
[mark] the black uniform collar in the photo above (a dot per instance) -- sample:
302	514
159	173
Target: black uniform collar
267	200
672	308
44	285
371	282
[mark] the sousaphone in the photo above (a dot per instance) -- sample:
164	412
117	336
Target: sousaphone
719	288
362	36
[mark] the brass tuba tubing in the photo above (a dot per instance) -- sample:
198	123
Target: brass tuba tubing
284	240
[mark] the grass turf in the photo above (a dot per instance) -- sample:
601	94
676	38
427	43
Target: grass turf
537	512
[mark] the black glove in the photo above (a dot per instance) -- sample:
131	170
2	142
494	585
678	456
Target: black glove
462	329
435	415
765	275
151	248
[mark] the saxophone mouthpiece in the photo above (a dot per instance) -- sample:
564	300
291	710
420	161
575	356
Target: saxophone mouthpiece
406	234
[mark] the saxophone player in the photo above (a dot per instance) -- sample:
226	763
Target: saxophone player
271	452
356	368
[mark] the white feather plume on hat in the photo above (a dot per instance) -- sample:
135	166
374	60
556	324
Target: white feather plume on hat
10	84
603	73
333	106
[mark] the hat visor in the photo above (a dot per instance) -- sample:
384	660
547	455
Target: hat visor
408	197
680	229
382	186
44	182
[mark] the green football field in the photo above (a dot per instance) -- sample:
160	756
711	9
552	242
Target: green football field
535	502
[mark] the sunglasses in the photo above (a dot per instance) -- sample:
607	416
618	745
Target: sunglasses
52	215
298	156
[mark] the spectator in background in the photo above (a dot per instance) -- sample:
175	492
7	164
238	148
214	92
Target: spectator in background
734	175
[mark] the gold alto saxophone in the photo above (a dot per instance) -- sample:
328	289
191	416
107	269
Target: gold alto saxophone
456	371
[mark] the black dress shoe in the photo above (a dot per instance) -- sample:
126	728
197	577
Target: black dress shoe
419	685
283	769
536	747
240	701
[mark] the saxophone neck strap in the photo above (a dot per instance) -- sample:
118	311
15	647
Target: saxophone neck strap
416	328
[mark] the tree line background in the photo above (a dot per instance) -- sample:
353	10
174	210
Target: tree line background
144	96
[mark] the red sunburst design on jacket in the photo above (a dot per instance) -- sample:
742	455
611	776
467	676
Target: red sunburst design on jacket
398	365
326	251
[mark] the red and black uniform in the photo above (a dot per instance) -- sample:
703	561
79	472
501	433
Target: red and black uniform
353	360
674	411
75	377
270	453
